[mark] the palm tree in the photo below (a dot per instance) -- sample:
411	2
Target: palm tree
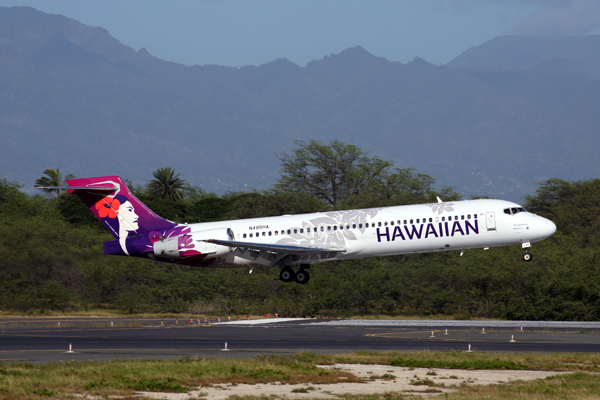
53	178
167	184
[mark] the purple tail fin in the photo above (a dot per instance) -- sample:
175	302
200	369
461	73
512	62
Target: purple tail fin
118	210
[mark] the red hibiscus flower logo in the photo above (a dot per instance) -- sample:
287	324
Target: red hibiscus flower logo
108	207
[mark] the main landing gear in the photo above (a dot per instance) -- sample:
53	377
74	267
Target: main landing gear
288	275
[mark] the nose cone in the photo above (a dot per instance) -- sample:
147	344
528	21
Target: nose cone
546	228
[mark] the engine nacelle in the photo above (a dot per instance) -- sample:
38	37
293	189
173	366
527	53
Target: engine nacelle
192	244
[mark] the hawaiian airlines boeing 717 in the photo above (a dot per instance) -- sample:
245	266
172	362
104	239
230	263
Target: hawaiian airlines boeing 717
293	242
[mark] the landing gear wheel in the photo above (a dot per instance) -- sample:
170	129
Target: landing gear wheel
302	277
527	257
287	275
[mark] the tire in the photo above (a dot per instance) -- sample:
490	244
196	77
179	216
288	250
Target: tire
287	275
527	257
302	277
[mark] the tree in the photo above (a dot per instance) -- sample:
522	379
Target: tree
166	185
52	178
332	172
343	176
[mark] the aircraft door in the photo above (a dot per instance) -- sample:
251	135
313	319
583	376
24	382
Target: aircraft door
490	221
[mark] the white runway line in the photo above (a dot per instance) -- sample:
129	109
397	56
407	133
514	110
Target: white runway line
461	323
261	321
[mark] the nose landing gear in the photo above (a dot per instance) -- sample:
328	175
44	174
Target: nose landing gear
527	256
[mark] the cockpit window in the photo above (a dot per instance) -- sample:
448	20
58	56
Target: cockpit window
514	210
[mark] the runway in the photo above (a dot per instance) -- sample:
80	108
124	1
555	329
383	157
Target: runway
45	340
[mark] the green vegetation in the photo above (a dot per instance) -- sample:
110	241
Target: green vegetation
585	362
52	258
124	377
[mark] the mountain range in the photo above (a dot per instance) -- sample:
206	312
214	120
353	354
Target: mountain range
496	119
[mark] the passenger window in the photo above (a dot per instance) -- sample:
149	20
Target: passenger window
289	231
270	233
360	226
295	230
417	220
283	232
329	228
385	223
322	228
456	217
353	226
341	227
474	216
379	224
404	222
264	233
347	226
373	224
437	219
399	222
244	236
469	216
411	221
250	235
335	228
276	233
392	223
462	217
301	230
443	218
430	219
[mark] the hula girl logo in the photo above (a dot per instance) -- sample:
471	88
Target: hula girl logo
118	215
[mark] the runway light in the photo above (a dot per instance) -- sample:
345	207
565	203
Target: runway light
469	351
219	319
445	333
225	349
432	335
111	323
483	331
70	348
59	324
512	339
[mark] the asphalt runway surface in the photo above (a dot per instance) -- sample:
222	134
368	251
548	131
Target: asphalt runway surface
46	340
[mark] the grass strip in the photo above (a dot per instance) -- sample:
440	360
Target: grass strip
467	364
125	377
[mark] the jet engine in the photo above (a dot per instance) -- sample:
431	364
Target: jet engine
193	244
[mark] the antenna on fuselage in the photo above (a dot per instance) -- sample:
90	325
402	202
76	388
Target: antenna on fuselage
439	200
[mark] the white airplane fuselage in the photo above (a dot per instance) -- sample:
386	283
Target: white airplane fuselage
420	228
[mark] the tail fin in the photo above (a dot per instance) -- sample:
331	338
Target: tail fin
118	210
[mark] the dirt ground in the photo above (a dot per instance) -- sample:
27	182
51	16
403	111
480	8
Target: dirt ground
397	379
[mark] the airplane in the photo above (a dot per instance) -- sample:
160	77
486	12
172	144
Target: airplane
293	242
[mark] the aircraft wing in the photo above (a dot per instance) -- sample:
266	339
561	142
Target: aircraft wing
270	254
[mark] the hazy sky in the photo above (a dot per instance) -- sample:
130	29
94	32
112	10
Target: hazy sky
253	32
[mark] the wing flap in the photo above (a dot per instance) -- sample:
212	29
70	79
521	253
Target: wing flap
277	248
271	254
